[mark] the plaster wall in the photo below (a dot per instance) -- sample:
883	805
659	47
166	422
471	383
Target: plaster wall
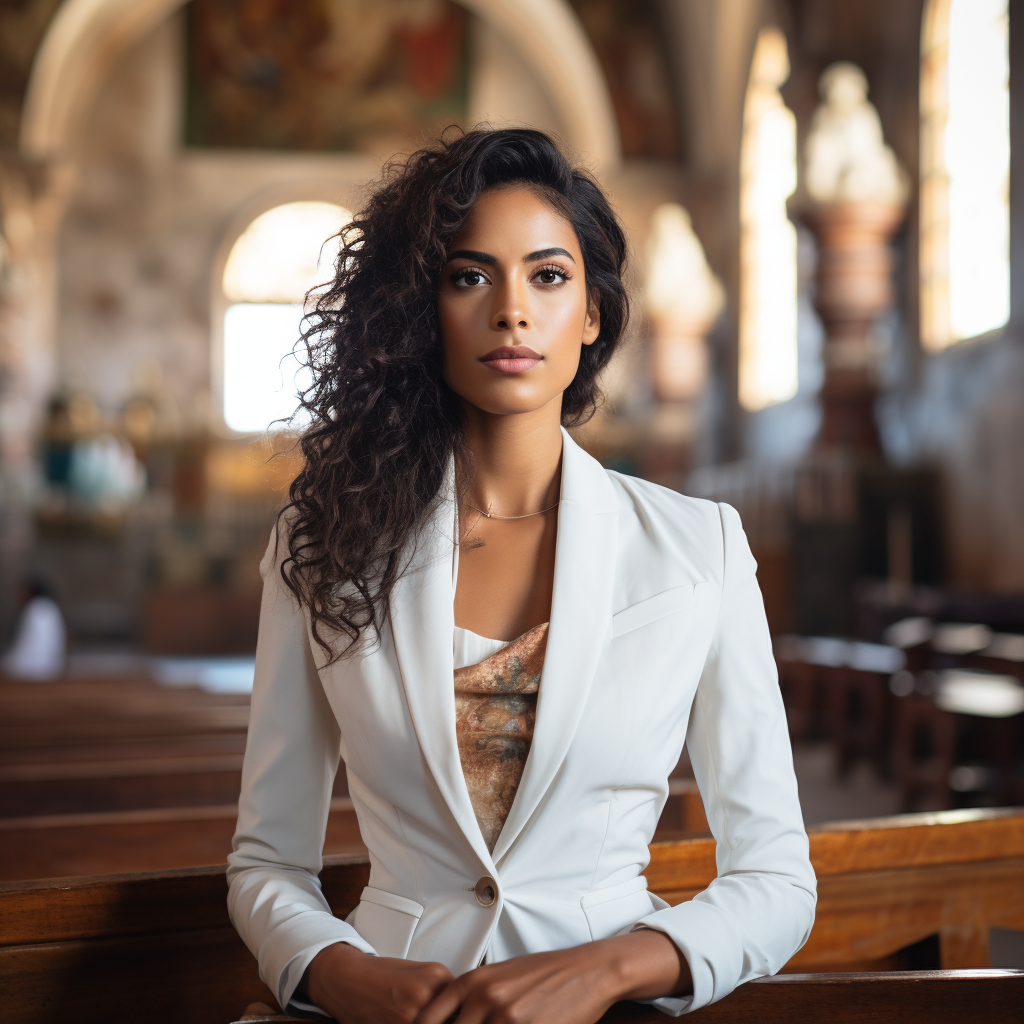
150	221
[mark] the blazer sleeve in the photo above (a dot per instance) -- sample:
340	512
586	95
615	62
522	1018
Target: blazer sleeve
291	757
759	910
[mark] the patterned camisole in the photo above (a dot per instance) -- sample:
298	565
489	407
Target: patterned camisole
496	686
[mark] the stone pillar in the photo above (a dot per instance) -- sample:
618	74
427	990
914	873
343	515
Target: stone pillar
33	197
853	287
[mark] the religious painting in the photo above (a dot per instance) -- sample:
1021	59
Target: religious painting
323	74
630	42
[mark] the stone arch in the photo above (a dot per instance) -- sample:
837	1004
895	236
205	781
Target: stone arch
87	36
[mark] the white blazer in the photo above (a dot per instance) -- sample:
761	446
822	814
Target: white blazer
658	636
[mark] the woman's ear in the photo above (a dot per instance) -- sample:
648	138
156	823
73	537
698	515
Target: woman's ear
592	325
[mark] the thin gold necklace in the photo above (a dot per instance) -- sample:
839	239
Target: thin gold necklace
494	515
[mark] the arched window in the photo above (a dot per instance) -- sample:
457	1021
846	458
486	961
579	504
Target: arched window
965	168
275	261
768	299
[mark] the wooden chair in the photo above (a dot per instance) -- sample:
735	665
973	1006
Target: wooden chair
923	751
102	948
857	704
801	693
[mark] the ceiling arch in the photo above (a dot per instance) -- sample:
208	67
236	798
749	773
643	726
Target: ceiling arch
87	36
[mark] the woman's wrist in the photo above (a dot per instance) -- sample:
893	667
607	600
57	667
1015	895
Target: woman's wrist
329	962
645	964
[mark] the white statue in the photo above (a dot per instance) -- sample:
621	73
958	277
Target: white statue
683	298
847	159
680	286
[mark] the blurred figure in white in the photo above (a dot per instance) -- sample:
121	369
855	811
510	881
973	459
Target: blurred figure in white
40	642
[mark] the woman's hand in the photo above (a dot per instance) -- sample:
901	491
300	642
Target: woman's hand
567	986
356	988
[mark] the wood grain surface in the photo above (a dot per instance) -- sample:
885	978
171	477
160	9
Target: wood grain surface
49	846
164	938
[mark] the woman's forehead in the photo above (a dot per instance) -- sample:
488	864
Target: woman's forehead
518	221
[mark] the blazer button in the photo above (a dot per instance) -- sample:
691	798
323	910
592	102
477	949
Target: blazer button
486	891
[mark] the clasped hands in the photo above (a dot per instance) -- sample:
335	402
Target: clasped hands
566	986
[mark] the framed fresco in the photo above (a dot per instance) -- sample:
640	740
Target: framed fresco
323	74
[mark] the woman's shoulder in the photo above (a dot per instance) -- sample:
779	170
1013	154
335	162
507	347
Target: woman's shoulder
659	518
645	497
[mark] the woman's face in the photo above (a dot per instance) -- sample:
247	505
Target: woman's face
513	305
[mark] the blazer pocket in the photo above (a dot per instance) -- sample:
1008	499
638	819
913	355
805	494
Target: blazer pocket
386	921
617	908
653	608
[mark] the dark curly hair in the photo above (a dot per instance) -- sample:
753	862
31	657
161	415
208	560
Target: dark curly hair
384	425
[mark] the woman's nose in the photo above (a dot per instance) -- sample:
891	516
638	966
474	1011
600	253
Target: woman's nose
510	307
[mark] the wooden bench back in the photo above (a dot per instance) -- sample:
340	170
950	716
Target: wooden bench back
101	948
160	839
85	712
885	883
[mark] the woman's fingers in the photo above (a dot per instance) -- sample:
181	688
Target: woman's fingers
546	988
446	1001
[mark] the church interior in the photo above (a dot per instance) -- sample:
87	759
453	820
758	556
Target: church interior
826	233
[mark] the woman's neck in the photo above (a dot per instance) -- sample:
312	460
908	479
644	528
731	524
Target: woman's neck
516	459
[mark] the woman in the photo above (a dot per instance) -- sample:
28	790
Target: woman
507	644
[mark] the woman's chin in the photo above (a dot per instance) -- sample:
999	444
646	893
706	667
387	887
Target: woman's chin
512	401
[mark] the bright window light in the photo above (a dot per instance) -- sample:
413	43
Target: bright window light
262	376
283	254
965	150
768	297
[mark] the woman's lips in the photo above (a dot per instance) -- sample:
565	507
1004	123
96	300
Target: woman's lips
511	359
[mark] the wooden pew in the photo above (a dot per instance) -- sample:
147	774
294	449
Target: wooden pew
911	997
64	845
102	948
80	745
159	838
195	771
886	883
85	712
121	778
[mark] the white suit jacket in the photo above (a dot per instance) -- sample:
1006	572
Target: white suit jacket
657	636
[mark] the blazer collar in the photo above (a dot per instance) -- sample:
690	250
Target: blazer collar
423	624
423	628
581	615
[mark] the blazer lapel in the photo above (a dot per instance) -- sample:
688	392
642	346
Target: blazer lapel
423	626
581	613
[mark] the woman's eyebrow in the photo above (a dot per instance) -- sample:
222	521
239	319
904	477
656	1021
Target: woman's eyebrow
471	254
530	257
543	254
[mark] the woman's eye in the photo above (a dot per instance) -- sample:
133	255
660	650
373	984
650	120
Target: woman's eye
470	278
551	275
